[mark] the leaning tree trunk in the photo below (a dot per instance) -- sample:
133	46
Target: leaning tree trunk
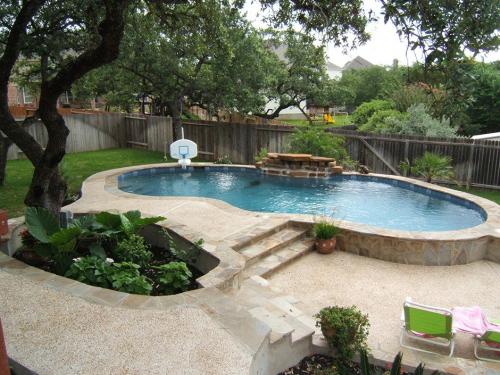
5	144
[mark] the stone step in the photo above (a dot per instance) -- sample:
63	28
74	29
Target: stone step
271	243
275	310
256	233
274	261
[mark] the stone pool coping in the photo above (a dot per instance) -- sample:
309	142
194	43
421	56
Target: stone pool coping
491	227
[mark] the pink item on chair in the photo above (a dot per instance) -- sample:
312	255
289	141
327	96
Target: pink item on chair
470	320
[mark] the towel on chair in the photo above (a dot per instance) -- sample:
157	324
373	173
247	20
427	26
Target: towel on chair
472	320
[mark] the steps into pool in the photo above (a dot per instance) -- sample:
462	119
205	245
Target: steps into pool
270	250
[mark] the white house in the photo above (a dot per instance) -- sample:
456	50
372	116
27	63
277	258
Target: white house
489	137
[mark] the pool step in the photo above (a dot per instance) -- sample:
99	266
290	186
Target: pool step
271	243
275	259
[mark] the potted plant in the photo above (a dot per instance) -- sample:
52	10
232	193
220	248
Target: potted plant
325	233
344	328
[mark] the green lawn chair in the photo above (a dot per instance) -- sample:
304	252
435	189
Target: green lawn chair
429	324
488	342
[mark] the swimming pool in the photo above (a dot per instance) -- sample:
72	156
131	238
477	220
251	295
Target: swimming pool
385	203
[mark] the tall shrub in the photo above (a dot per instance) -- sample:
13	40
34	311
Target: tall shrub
317	142
366	110
420	122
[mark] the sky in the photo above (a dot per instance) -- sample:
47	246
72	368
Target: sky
383	47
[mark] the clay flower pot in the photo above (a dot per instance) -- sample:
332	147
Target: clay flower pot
326	246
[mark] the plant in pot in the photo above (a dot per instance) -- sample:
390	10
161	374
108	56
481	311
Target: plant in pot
345	329
325	233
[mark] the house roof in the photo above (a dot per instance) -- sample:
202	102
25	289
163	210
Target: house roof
357	63
332	66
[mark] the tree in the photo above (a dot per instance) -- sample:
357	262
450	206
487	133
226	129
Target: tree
69	41
484	111
210	57
299	76
448	33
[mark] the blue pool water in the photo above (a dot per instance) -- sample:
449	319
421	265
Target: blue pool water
375	201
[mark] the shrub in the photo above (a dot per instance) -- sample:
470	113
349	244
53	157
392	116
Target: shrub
430	166
419	122
261	155
133	249
366	110
377	122
224	159
317	142
90	270
174	277
344	328
324	230
124	277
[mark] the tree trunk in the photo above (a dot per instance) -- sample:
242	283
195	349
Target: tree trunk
306	115
5	144
173	108
48	188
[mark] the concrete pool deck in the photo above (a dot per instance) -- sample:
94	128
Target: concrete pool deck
378	289
195	332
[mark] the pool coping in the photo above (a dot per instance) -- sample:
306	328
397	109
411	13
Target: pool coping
491	227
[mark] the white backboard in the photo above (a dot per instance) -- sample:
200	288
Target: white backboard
183	149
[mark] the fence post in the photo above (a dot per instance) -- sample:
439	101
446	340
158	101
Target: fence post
407	150
470	165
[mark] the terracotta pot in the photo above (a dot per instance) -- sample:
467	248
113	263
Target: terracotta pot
326	246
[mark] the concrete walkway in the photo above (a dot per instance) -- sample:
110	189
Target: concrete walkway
55	333
378	289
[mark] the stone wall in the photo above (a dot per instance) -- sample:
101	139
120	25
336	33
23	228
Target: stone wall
417	251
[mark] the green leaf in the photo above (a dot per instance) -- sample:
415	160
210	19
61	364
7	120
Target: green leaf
97	250
126	225
84	222
64	236
109	220
41	223
133	215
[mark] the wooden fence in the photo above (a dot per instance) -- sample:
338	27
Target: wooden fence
475	162
90	132
151	132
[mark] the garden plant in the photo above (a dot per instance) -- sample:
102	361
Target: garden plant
105	250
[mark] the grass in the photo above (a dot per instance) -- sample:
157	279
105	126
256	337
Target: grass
492	195
340	120
76	168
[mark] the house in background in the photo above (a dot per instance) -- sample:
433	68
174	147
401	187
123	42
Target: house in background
334	72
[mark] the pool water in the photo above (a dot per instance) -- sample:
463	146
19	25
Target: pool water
369	200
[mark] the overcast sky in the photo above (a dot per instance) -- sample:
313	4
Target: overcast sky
383	47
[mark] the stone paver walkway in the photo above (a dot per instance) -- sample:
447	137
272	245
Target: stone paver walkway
379	289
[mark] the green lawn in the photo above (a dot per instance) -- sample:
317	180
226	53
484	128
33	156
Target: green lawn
340	120
492	195
76	168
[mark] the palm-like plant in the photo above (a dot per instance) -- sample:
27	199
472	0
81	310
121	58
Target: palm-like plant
365	368
430	166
